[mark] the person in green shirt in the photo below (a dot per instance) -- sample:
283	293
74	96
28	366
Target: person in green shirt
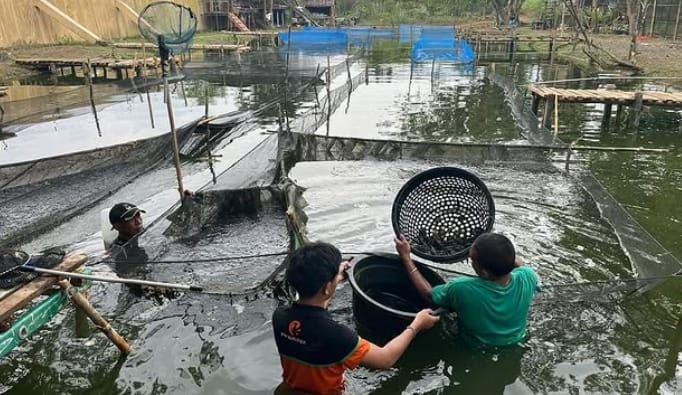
492	308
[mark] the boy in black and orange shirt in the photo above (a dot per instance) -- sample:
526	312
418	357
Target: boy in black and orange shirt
314	349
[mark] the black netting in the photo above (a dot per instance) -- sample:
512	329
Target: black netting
441	211
169	25
11	275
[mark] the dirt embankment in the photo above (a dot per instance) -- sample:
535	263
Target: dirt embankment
657	56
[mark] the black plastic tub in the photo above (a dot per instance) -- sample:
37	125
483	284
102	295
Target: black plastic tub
384	299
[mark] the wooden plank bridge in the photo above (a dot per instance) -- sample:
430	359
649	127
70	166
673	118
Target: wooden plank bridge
120	67
634	100
606	96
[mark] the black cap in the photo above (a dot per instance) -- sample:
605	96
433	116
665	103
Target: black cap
122	212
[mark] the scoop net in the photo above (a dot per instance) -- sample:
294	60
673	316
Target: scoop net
172	26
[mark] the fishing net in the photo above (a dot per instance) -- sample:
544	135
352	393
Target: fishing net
172	26
441	211
11	276
442	49
315	40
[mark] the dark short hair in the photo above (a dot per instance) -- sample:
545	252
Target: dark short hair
495	253
312	266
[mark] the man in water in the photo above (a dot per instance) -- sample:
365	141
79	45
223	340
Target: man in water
314	349
492	308
126	219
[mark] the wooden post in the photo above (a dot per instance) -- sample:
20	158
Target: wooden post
82	303
149	104
174	137
329	94
556	118
619	114
184	96
206	99
547	113
636	109
535	104
606	120
677	20
653	20
350	79
88	80
366	73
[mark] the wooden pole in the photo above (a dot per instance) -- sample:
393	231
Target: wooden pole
184	96
329	94
286	81
205	99
619	115
88	80
636	108
350	80
82	303
653	20
606	120
547	113
677	20
174	136
149	105
535	104
556	117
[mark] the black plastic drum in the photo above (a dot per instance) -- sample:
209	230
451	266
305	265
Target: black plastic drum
384	298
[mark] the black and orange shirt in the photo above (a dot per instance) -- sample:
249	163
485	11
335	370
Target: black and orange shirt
314	349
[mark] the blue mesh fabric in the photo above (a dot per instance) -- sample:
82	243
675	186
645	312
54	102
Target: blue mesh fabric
443	49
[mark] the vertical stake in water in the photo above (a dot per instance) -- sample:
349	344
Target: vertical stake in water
205	99
165	58
329	93
88	80
286	81
317	95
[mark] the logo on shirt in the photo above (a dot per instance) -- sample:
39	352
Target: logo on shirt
295	328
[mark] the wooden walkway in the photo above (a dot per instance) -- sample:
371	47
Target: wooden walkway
606	96
120	67
634	101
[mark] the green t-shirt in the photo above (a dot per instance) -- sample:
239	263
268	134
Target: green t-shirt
490	313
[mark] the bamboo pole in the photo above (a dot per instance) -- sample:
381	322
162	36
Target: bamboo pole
82	303
286	81
149	105
174	136
556	117
677	20
329	94
653	20
88	80
184	96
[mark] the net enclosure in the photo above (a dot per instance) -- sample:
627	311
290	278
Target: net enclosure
441	211
172	26
442	48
